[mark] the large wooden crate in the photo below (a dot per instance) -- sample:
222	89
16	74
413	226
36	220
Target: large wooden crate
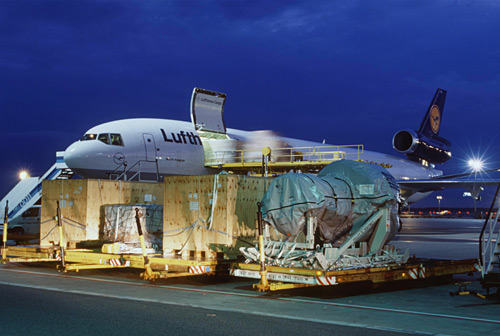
189	202
82	205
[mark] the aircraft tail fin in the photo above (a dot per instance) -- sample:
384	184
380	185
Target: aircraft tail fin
432	121
425	144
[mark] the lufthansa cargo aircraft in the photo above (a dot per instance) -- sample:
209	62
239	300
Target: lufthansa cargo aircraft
149	149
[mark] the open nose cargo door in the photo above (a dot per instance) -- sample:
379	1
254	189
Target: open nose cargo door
207	111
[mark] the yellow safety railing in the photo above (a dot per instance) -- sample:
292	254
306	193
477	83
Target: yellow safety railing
286	155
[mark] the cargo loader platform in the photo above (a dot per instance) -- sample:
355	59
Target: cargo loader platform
280	160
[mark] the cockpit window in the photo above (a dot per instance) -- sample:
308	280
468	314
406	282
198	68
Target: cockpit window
89	137
116	139
104	138
109	139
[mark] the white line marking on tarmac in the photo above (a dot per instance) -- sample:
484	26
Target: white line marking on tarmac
229	293
223	309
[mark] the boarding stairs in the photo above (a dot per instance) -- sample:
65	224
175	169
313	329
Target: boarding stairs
489	248
142	171
65	174
28	192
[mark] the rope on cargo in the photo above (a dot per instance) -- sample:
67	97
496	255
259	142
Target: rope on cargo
214	199
48	220
69	222
206	227
227	234
209	221
73	222
189	236
195	224
192	226
182	230
337	198
48	234
81	226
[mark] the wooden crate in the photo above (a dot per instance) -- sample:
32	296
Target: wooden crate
188	205
82	205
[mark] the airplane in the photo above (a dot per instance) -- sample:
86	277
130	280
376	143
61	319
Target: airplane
149	149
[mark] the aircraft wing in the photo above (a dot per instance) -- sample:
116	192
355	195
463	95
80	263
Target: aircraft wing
432	185
468	174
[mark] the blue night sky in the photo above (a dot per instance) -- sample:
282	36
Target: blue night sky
350	72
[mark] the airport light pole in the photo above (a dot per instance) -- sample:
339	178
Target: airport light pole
439	198
23	175
477	166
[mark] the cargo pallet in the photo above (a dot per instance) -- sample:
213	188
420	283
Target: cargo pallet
395	268
155	266
86	259
160	267
279	278
26	254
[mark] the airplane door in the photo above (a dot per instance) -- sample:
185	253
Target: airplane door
150	146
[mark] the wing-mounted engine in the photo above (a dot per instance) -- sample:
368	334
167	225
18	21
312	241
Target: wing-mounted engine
425	144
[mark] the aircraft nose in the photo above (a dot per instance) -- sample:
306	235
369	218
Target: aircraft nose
73	156
89	159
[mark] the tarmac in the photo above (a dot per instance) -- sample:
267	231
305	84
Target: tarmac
414	307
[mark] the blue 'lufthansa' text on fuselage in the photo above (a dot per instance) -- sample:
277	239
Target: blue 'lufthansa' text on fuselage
180	137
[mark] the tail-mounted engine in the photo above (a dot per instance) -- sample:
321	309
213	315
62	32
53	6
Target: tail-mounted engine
417	146
426	144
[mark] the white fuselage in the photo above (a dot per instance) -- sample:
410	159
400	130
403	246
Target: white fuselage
162	147
179	152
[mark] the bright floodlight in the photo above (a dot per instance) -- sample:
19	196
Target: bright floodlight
23	174
475	164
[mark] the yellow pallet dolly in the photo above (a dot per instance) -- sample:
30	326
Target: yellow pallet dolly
76	260
273	278
279	278
155	266
159	267
29	254
24	254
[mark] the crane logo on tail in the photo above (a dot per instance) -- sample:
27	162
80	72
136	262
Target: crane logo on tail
435	119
